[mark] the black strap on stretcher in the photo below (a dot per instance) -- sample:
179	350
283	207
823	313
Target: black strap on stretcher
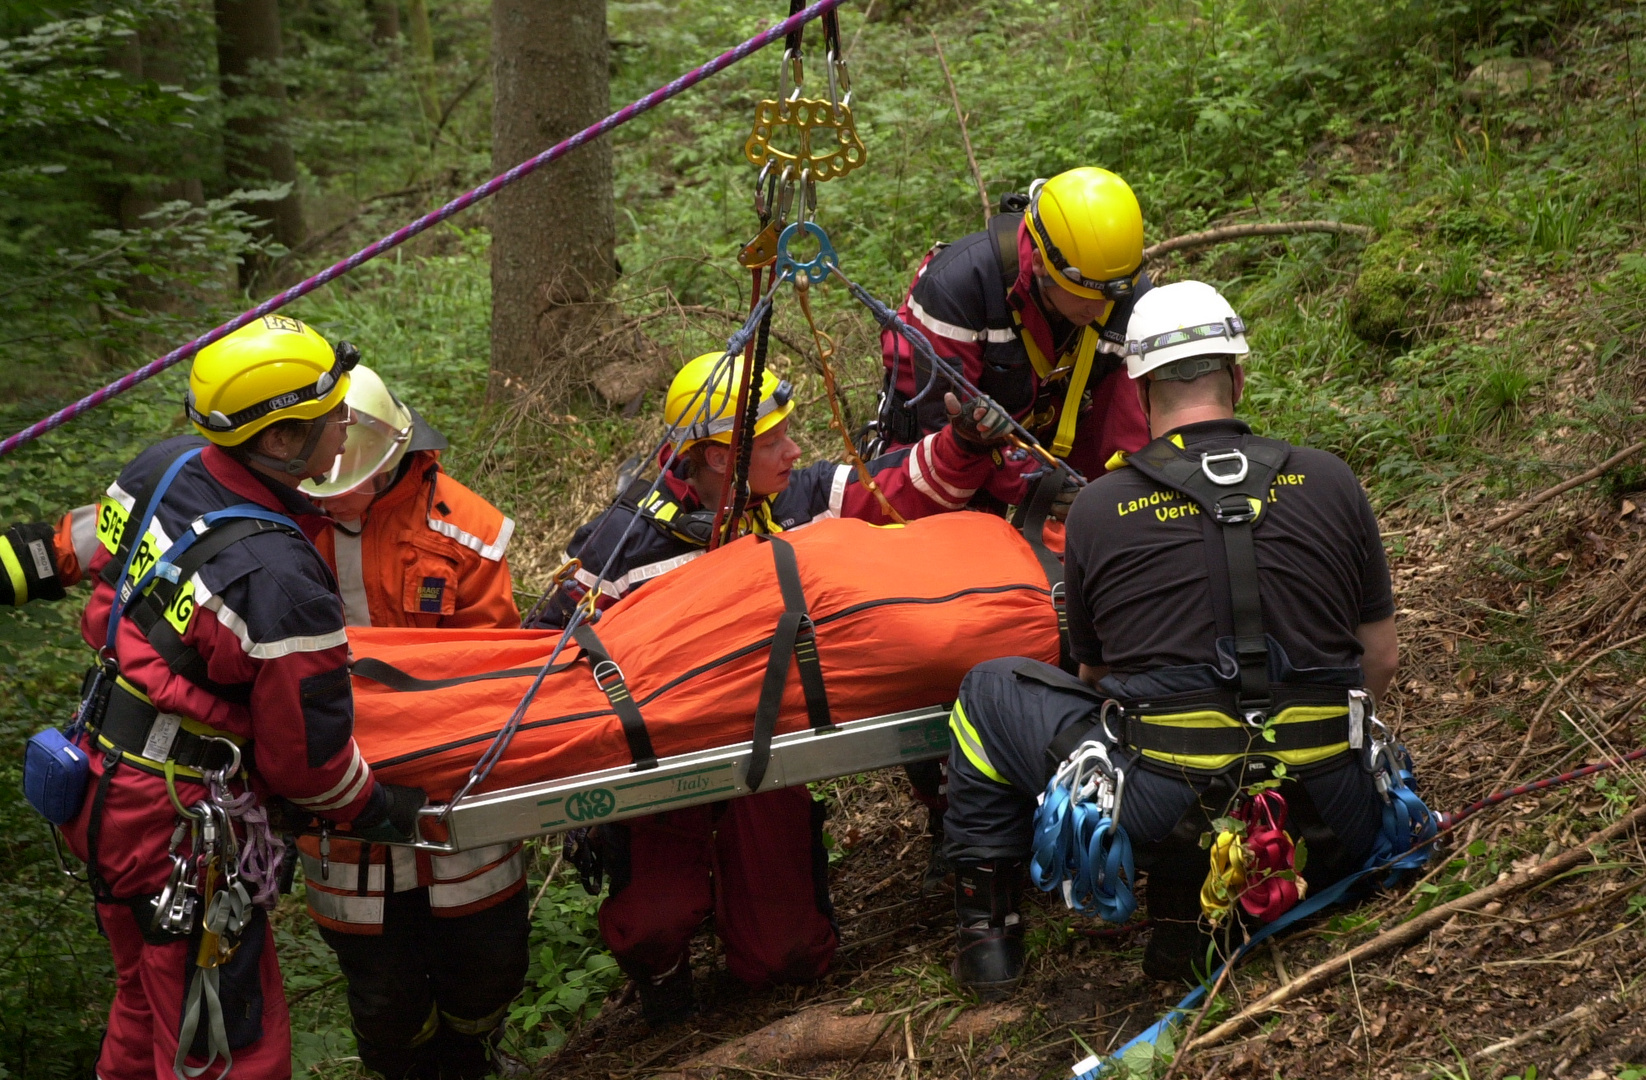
1030	519
402	681
795	637
1232	509
609	677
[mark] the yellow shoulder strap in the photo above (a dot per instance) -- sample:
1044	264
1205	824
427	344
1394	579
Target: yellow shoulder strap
1069	415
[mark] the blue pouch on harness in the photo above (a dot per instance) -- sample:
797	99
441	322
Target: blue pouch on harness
55	772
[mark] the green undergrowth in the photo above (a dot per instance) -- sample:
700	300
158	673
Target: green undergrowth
1495	322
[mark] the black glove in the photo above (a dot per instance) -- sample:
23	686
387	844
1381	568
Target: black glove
1059	509
1064	499
391	818
582	848
34	548
979	424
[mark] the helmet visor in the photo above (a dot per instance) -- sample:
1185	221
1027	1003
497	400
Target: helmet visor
373	446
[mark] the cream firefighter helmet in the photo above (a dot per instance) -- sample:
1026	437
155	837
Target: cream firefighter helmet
385	430
1182	331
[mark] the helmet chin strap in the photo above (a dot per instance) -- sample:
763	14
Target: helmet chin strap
298	465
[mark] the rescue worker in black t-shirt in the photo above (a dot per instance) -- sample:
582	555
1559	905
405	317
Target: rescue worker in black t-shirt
1164	620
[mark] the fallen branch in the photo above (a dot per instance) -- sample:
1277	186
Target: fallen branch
1549	700
1413	930
965	136
1566	485
824	1034
1576	1016
1238	232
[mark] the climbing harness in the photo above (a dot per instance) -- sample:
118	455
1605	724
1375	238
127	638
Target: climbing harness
215	883
427	221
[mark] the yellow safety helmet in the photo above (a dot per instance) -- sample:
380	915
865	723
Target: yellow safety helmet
272	369
691	422
1087	226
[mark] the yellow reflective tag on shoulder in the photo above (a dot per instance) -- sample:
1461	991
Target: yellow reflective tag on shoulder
1117	460
1177	441
147	555
111	520
181	608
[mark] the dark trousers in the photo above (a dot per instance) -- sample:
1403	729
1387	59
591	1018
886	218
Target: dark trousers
998	767
429	994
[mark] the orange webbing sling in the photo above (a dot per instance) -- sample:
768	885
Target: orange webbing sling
881	618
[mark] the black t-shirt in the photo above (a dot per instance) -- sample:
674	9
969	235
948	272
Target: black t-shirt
1139	595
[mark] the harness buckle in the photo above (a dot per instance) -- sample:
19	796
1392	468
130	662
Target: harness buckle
608	676
1225	479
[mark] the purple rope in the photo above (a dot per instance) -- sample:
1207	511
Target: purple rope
395	239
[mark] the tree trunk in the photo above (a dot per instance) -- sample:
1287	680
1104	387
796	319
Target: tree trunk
158	53
385	21
422	42
553	234
256	152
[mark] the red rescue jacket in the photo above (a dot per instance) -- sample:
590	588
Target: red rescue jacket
264	612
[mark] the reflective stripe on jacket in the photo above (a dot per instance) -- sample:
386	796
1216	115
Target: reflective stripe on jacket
349	897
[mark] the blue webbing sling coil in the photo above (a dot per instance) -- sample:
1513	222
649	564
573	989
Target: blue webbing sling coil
1079	845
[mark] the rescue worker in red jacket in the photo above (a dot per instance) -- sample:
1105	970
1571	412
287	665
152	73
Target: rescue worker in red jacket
756	863
410	547
247	663
433	946
1033	311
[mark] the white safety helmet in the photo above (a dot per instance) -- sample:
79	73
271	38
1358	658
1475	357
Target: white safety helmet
1187	321
384	431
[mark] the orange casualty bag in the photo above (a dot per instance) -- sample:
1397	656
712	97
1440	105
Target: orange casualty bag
875	618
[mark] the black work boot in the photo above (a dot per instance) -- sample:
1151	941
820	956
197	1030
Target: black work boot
939	875
1178	939
990	936
667	999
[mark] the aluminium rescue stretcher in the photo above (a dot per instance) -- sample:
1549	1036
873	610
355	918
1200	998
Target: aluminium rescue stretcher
703	776
769	662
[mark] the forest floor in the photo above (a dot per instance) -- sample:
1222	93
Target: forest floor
1512	246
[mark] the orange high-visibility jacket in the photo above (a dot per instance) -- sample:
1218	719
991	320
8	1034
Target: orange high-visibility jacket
430	553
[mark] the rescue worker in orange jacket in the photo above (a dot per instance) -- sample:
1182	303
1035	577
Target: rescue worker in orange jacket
756	863
433	946
239	647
